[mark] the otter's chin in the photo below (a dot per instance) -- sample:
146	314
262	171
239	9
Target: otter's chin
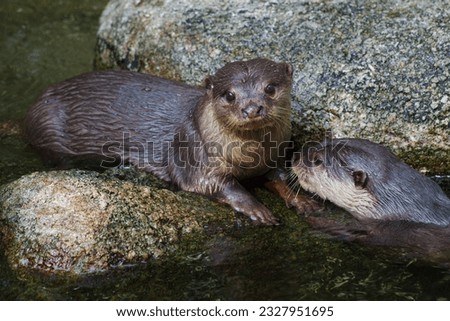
254	126
305	183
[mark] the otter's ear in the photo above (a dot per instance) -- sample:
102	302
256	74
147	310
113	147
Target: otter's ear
208	83
360	178
289	69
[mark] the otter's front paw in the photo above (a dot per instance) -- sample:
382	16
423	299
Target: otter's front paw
304	204
262	215
257	212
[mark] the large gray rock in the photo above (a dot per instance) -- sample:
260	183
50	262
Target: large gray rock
79	221
371	69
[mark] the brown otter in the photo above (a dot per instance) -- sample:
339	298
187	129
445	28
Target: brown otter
394	204
368	181
203	140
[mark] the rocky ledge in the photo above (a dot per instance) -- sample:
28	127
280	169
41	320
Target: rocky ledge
81	221
375	70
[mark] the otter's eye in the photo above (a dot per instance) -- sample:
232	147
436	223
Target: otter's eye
230	96
270	89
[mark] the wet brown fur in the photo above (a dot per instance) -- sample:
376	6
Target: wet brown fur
393	204
113	116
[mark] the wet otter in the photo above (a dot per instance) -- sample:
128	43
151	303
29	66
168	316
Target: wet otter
204	140
394	204
368	181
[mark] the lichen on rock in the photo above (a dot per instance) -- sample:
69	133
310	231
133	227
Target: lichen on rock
81	221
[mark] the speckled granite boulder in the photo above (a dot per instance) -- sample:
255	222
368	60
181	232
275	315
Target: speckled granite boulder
79	221
371	69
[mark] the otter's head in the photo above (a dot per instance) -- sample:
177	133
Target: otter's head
332	171
370	182
254	94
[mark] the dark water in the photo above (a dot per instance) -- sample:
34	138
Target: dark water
42	42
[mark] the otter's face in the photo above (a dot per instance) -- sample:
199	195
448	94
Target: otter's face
324	170
252	94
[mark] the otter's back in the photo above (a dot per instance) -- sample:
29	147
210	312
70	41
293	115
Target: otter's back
83	115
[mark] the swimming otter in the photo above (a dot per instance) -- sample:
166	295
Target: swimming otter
368	181
204	140
394	205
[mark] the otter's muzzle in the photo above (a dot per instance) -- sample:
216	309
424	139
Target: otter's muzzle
252	111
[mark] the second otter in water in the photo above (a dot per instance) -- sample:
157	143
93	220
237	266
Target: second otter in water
394	205
368	181
204	140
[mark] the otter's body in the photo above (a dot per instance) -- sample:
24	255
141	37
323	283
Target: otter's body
394	205
105	115
202	139
368	181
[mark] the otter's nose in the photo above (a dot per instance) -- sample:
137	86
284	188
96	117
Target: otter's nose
252	111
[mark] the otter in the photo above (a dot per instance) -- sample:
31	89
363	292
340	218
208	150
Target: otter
370	182
202	139
394	205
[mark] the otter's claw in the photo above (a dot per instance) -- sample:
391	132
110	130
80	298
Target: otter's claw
263	215
257	212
